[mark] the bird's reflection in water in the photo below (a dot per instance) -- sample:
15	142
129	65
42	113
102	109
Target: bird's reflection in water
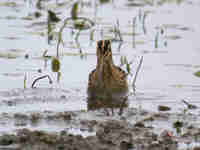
109	105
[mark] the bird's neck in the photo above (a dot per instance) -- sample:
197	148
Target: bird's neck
104	69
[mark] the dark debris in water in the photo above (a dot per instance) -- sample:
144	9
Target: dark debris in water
163	108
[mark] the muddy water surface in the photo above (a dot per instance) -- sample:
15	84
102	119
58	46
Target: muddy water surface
166	35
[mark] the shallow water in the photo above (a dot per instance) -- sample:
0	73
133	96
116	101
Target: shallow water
166	76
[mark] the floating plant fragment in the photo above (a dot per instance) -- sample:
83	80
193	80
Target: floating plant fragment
197	74
9	55
8	4
189	106
55	64
173	37
52	17
74	11
104	1
163	108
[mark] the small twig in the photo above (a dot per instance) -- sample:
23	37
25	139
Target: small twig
190	106
77	35
113	3
49	31
39	78
58	76
59	39
120	45
156	40
136	74
78	45
134	25
38	4
95	10
25	78
45	54
140	15
143	23
74	10
64	25
92	35
118	31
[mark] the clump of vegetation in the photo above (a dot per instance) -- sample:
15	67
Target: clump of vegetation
79	24
51	20
38	4
178	126
117	32
136	74
37	14
156	40
197	74
158	37
124	61
55	64
52	17
163	108
74	11
25	79
104	1
134	26
189	106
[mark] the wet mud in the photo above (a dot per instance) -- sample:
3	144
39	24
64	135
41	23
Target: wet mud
110	134
135	128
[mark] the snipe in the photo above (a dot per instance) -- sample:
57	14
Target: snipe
107	82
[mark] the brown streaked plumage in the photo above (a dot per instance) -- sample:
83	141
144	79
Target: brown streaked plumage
107	81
